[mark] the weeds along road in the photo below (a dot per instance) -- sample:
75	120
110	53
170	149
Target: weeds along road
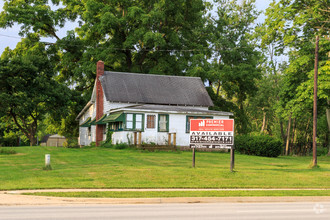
292	210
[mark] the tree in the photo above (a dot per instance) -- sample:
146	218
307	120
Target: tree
27	87
291	25
235	65
134	36
163	37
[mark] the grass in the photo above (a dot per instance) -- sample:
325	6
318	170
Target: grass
166	194
111	168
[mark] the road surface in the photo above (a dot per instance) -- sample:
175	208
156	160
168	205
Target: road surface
290	210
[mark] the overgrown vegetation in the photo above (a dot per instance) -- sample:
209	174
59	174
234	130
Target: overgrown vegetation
71	143
7	151
259	145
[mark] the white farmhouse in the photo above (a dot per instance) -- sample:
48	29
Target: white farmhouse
144	108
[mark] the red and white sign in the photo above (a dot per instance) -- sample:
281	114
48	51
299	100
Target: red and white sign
211	133
212	125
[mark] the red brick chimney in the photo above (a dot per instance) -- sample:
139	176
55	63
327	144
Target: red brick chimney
99	101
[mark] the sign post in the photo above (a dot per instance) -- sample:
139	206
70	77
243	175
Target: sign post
232	159
193	158
213	134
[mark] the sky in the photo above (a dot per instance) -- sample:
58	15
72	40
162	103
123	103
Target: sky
9	37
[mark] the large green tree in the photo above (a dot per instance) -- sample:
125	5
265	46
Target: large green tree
27	87
236	59
163	37
135	36
291	27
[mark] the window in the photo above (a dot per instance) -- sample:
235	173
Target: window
89	132
133	121
138	122
194	117
129	121
151	121
163	123
115	126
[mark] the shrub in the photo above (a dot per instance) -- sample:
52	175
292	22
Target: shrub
71	143
92	144
7	152
260	145
106	144
121	146
321	151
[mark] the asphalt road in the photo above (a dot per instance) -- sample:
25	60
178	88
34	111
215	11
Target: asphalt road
292	210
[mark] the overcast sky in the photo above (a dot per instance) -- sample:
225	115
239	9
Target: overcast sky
9	37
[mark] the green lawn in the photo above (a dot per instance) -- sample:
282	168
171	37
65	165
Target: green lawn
109	168
166	194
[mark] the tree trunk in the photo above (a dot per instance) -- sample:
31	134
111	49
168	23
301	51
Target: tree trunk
263	123
218	89
328	120
293	136
288	137
32	139
282	131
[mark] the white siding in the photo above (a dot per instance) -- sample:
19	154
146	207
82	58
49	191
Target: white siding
177	124
84	138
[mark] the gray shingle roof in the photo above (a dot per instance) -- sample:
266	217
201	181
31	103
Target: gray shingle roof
154	89
181	109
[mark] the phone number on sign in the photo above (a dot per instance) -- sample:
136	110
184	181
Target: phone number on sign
211	139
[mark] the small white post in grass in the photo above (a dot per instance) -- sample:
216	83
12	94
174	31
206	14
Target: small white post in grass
47	159
47	162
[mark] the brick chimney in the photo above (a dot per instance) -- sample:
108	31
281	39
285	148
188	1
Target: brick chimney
99	101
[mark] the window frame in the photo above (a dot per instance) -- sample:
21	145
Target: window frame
134	122
153	121
167	122
126	121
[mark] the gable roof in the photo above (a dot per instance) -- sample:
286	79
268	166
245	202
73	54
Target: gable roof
154	89
173	109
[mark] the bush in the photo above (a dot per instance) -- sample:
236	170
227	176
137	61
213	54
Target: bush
121	146
71	143
106	144
7	152
118	146
260	145
321	151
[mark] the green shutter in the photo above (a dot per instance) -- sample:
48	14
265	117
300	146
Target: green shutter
142	122
167	122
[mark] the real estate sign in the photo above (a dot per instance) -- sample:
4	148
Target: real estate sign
212	133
